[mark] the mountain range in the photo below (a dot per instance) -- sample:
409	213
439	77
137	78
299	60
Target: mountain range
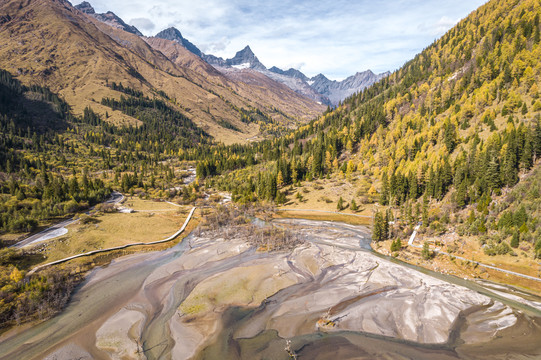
448	147
318	88
82	53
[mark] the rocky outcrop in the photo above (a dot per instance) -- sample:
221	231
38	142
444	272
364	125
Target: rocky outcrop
337	91
109	18
244	59
174	34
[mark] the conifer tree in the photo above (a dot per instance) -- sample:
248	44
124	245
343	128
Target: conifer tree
340	204
377	232
426	253
384	195
279	179
515	240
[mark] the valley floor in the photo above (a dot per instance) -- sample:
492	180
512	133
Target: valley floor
216	294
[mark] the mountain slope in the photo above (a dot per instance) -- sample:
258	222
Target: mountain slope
318	88
80	57
472	93
438	140
252	85
450	144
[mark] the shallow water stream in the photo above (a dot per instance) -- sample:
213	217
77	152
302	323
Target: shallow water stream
156	284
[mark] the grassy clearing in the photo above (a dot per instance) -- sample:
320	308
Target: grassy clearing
323	194
136	204
110	230
105	258
309	215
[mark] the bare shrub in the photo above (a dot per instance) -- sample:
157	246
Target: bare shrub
238	222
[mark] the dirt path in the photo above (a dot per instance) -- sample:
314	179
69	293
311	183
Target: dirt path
60	228
412	239
39	267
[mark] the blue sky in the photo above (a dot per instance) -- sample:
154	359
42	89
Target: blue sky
336	38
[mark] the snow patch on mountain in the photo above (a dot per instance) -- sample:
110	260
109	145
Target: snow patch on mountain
242	66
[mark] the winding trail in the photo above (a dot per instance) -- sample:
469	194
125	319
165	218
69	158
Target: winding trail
410	243
39	267
59	229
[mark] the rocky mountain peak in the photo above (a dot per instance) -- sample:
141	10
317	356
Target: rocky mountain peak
174	34
86	8
294	73
109	18
320	77
246	58
247	51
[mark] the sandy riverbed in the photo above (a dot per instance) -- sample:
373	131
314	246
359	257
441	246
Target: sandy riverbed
215	297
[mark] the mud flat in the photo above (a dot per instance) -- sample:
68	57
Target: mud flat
216	297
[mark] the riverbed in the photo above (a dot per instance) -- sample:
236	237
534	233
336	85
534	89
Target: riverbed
214	296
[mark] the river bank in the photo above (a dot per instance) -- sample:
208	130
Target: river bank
465	266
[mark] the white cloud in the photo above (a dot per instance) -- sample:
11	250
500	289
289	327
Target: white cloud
439	27
335	38
215	47
143	24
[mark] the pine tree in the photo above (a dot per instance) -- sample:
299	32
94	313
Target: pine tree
354	205
509	171
279	179
340	204
280	197
412	182
377	232
426	253
384	195
294	173
385	225
461	196
537	139
396	245
424	215
515	240
526	160
493	173
524	109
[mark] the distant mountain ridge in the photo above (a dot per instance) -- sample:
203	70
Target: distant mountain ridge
318	88
243	59
110	18
337	91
